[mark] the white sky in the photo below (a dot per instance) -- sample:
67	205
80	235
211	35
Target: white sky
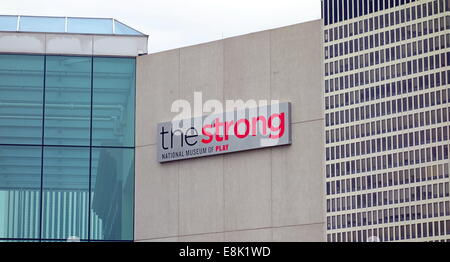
177	23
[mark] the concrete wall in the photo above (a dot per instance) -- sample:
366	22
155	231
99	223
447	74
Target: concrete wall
263	195
72	44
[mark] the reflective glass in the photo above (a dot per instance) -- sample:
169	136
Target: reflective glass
121	29
8	23
65	193
20	183
66	171
89	25
42	24
21	94
113	102
14	240
58	25
67	101
112	194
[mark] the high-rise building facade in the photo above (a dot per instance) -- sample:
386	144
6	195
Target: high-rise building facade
387	100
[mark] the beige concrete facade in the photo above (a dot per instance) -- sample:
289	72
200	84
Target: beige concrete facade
262	195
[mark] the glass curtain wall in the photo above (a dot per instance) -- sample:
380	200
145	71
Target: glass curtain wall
66	148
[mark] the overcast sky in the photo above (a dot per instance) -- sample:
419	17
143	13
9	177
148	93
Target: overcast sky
177	23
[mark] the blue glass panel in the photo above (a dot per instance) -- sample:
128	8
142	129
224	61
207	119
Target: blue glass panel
8	23
68	101
42	24
20	184
21	94
121	29
113	102
21	240
65	193
89	26
112	194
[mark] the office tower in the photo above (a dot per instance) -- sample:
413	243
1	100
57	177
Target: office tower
387	100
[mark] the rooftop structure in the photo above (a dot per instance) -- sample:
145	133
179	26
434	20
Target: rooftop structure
70	35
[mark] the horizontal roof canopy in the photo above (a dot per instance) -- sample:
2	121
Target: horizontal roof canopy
74	25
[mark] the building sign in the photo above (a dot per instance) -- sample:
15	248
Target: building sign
240	130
